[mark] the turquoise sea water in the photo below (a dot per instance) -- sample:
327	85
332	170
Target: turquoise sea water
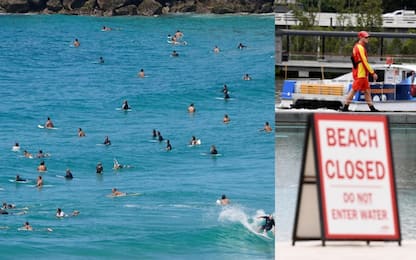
176	216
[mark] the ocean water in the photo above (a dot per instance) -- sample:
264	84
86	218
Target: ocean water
176	216
289	152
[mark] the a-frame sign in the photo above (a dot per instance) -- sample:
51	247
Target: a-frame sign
347	188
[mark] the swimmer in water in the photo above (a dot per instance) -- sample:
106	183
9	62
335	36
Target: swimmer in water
106	29
41	154
27	226
174	54
49	123
224	200
42	167
193	141
246	77
241	46
191	108
8	206
216	49
226	119
60	213
76	43
39	182
99	168
81	133
27	154
141	73
16	147
168	145
101	60
178	34
267	127
159	136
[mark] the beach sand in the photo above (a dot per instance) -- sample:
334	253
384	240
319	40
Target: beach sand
345	250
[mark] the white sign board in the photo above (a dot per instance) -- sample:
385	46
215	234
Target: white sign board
355	177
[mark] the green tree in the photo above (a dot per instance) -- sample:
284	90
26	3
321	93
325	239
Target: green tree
369	15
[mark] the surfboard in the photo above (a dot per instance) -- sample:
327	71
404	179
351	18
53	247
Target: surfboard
183	43
262	235
221	98
44	185
25	181
24	229
125	110
63	177
126	194
43	127
103	144
213	155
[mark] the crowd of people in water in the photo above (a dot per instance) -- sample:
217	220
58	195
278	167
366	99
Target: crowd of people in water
175	39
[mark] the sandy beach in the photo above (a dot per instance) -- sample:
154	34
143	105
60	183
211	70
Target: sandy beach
312	250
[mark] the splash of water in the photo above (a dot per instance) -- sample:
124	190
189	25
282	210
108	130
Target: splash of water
236	214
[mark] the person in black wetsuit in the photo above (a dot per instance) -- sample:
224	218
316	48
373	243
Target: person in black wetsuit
99	168
107	141
159	136
18	178
225	91
168	145
68	174
213	150
125	105
268	225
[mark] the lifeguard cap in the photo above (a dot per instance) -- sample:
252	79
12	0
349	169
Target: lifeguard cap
363	34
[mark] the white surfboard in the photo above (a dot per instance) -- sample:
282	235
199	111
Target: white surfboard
125	194
43	127
25	181
125	110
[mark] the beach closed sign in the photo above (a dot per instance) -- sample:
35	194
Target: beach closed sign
355	177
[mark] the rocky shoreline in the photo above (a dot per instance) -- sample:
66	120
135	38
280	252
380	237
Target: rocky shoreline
135	7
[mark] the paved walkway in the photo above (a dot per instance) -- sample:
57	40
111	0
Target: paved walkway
312	250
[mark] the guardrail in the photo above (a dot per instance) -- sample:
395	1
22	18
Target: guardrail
340	20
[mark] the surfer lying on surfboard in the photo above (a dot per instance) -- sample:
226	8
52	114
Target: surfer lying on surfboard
28	227
117	193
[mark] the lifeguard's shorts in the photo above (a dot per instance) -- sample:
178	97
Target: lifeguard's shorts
360	84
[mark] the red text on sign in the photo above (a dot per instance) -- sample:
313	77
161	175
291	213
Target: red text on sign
343	137
370	170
